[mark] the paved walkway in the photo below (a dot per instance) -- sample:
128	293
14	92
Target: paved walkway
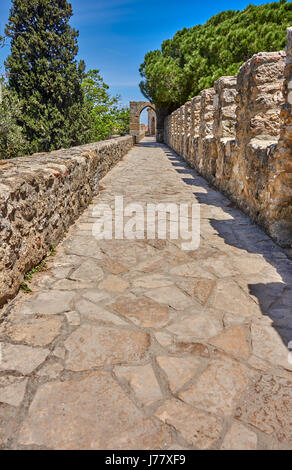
140	345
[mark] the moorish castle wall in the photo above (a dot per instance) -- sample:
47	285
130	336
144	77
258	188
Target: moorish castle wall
41	196
238	135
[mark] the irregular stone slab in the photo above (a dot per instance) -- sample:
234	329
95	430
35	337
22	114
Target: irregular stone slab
232	319
258	363
67	260
88	271
219	387
142	311
176	257
73	318
111	266
267	405
178	370
61	272
158	244
220	267
23	359
233	341
40	331
171	296
60	352
268	345
8	423
90	311
143	382
69	284
195	326
204	252
79	246
123	252
89	412
248	265
48	302
287	297
230	298
240	438
50	370
95	295
150	282
176	446
198	428
183	347
12	390
163	339
95	346
151	264
198	289
202	290
114	284
193	269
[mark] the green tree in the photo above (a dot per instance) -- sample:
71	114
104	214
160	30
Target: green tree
43	71
106	116
195	57
122	119
12	140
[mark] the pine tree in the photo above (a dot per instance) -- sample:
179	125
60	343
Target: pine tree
195	57
43	71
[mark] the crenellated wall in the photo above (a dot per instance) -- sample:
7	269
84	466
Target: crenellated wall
41	196
238	135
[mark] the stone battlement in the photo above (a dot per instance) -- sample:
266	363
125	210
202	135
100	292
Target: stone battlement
41	196
239	137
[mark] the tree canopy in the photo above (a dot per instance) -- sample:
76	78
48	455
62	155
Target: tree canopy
106	116
195	57
49	101
45	75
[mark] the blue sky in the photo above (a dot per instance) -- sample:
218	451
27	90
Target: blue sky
116	34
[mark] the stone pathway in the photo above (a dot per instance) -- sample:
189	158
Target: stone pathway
140	345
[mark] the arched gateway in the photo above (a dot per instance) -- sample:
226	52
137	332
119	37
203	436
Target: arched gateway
136	108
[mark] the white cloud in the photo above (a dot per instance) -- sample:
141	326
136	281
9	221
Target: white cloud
103	11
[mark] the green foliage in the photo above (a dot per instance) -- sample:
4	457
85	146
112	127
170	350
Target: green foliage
52	251
195	57
37	269
106	116
44	73
12	140
25	288
122	119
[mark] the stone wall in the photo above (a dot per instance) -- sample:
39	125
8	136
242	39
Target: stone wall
239	137
151	122
41	196
138	130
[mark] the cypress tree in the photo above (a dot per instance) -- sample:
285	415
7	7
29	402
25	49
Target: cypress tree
43	71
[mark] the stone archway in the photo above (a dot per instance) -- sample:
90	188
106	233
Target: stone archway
136	108
151	122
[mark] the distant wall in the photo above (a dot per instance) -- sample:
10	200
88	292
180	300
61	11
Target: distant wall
239	136
41	196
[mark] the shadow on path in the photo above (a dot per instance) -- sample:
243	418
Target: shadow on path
275	298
